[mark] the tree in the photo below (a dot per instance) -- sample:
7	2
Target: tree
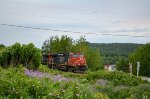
81	45
65	44
94	59
57	45
28	55
133	58
1	55
15	54
6	56
36	58
123	64
2	46
142	55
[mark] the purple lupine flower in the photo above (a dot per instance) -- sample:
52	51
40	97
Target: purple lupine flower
40	74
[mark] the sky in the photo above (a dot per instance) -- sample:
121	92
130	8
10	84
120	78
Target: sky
100	21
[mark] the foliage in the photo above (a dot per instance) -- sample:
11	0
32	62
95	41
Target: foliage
28	55
22	86
100	74
80	45
5	56
119	85
94	59
123	65
57	45
15	84
142	55
2	47
120	78
116	78
126	92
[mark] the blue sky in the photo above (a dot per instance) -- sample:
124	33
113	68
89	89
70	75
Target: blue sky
100	17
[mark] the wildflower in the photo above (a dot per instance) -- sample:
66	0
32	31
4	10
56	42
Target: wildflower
63	91
76	87
50	94
58	96
39	82
77	95
59	80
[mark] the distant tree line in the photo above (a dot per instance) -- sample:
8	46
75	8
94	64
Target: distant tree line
65	44
113	52
27	55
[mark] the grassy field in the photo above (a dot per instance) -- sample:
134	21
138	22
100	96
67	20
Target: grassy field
45	83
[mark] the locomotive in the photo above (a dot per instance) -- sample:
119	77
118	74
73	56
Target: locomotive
65	61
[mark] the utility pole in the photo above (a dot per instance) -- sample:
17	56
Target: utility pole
130	67
138	68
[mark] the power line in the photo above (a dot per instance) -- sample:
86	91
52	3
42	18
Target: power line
38	28
58	30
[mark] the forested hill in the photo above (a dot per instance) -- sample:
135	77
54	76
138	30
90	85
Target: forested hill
112	51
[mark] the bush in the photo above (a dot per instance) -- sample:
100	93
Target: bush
21	85
28	55
116	78
121	78
126	92
97	75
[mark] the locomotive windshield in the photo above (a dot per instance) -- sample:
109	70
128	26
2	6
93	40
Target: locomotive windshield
75	55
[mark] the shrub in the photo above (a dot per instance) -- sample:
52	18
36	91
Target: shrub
28	55
97	75
126	92
121	78
116	78
15	84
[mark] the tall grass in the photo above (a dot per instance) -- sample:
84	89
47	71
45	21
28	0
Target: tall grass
16	84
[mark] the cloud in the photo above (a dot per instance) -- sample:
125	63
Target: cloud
110	17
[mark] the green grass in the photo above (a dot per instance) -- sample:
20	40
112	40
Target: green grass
14	84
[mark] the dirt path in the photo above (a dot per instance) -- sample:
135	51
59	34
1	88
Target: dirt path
146	78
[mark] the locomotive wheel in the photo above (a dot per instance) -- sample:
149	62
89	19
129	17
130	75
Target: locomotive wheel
67	68
75	69
70	69
50	66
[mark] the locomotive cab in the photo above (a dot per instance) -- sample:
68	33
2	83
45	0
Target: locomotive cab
76	59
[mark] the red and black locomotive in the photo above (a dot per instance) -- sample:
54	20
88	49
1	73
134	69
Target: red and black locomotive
68	62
